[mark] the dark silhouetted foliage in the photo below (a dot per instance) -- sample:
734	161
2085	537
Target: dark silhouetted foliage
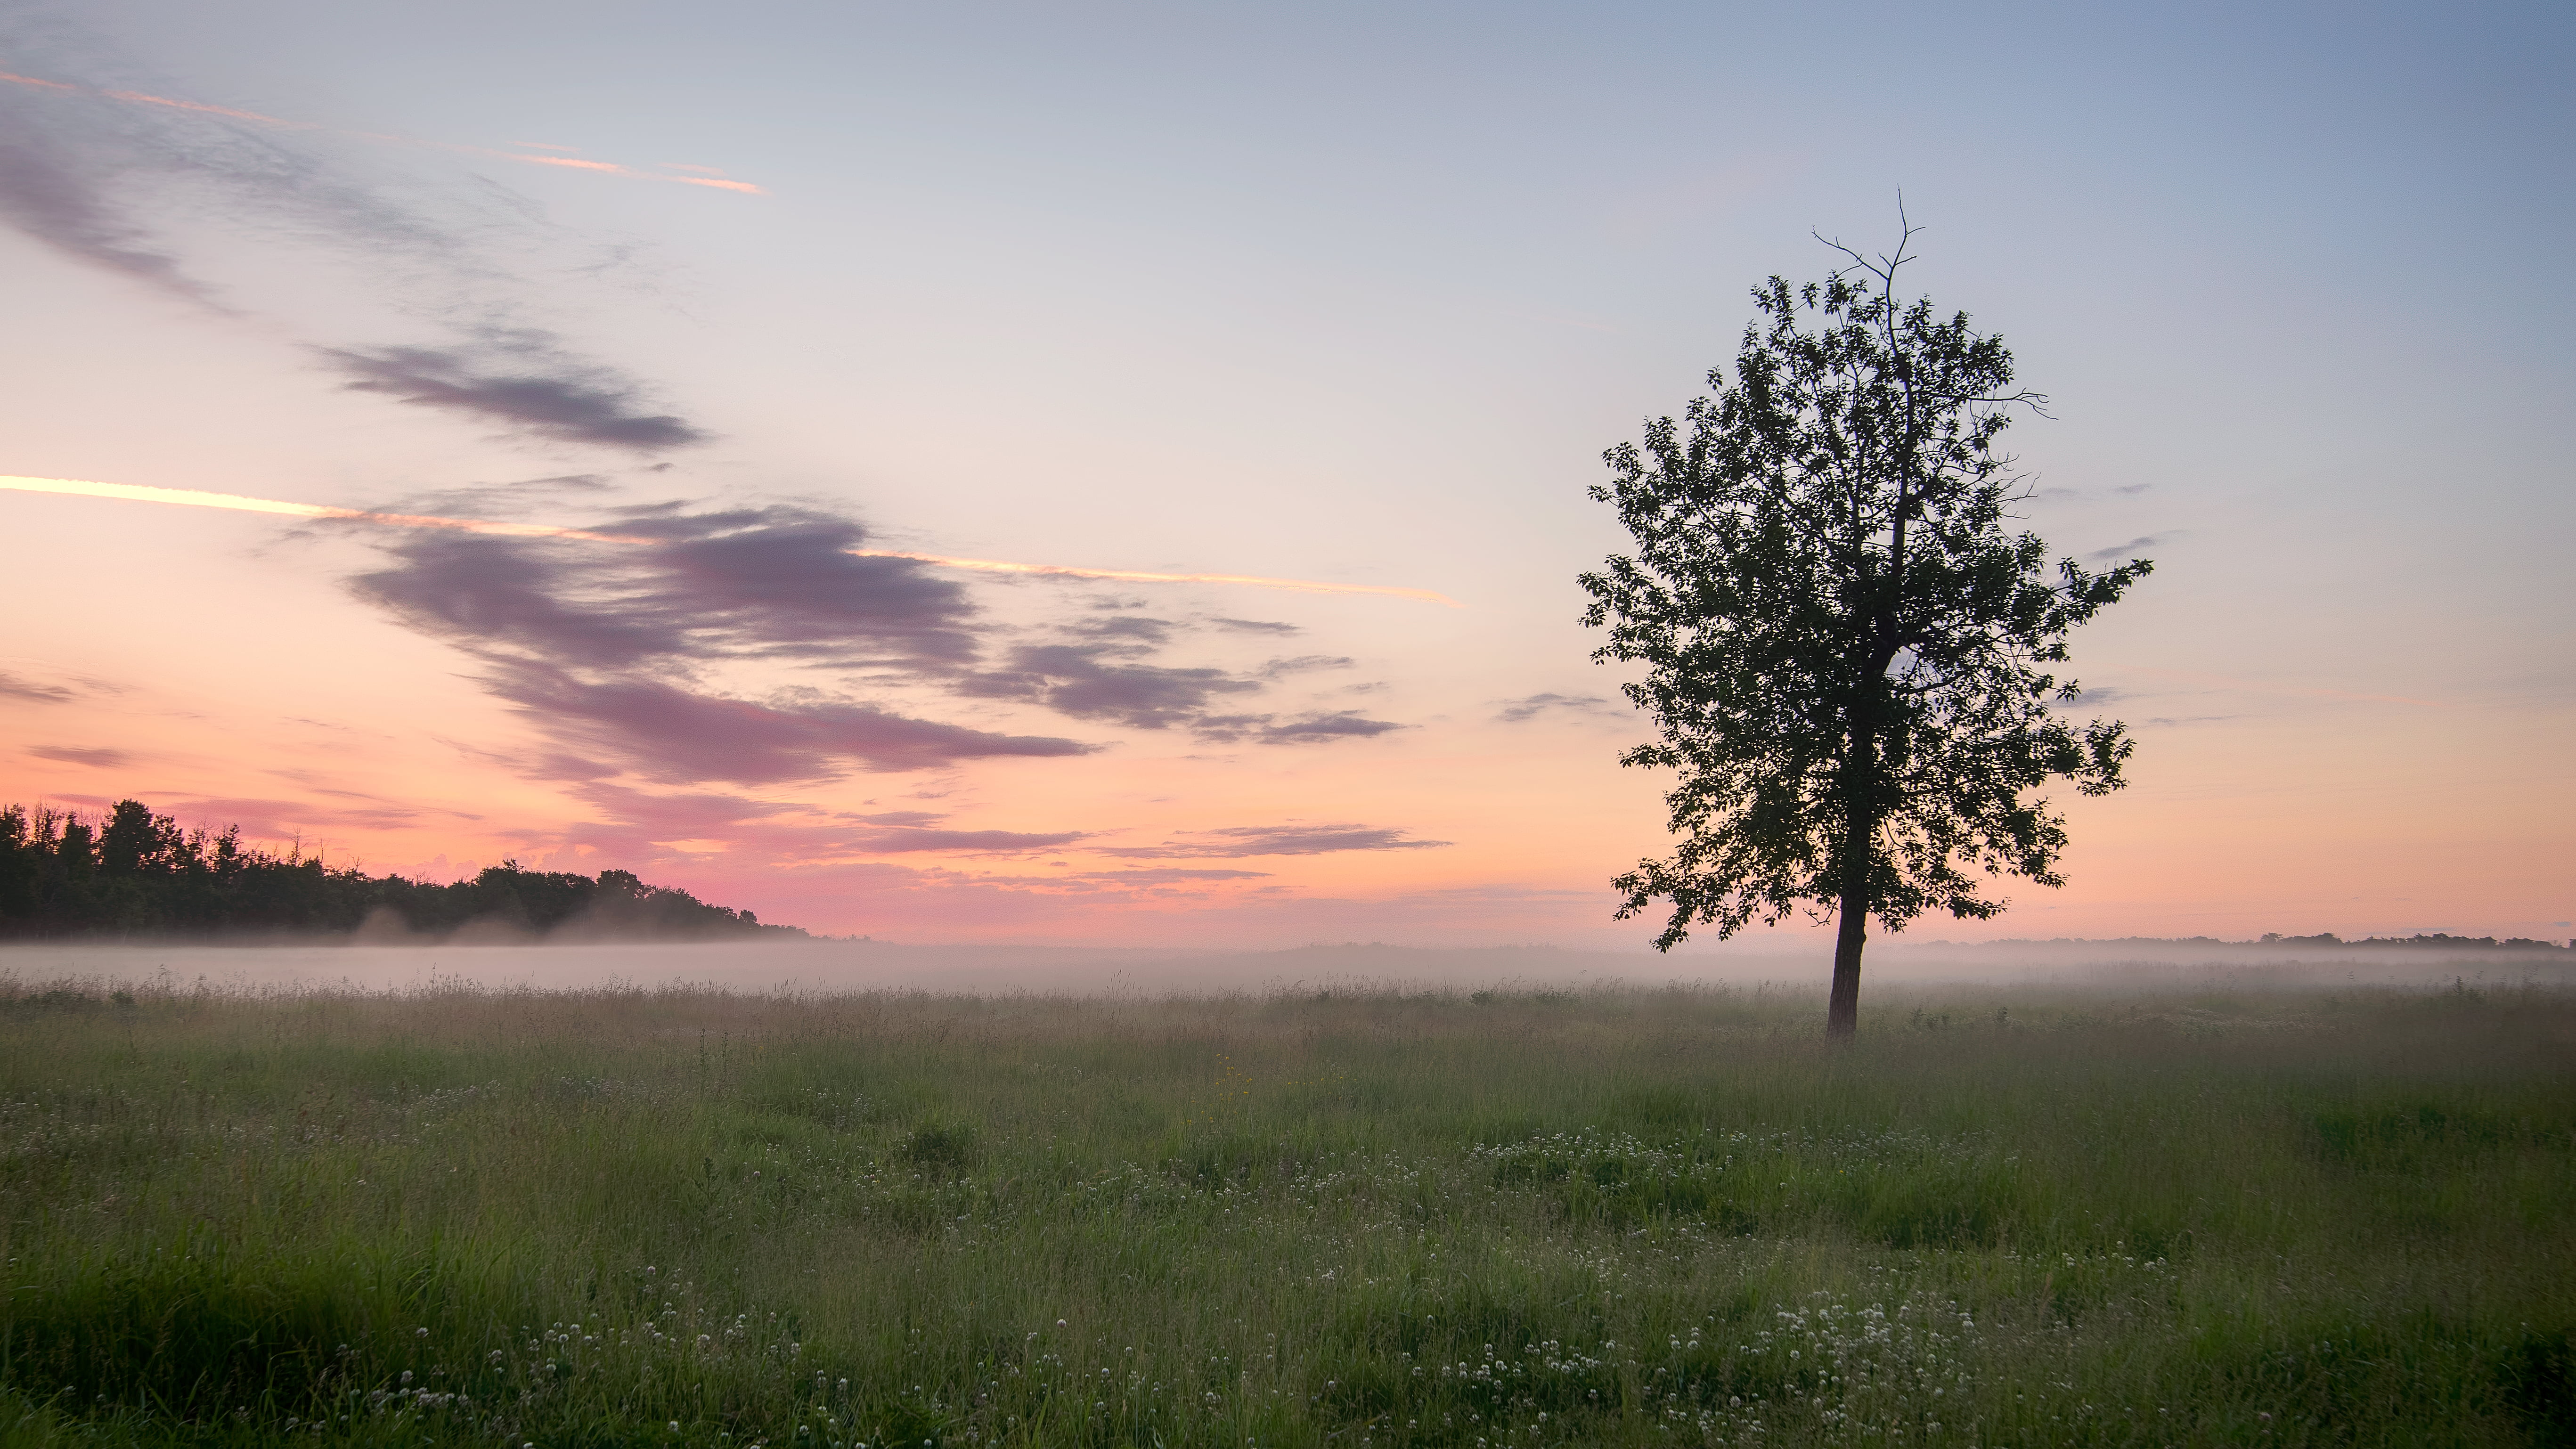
1848	650
136	873
2434	939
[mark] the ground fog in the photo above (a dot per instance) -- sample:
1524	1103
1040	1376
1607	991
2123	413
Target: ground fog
842	966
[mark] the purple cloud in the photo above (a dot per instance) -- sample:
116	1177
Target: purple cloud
1304	664
1243	840
1106	674
640	825
493	593
1164	875
1086	681
47	196
675	735
99	758
907	839
2130	550
71	160
519	378
783	582
744	583
594	642
1315	729
1527	708
13	687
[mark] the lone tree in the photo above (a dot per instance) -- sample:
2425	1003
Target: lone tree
1845	646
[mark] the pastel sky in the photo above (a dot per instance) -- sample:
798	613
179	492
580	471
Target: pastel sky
1353	295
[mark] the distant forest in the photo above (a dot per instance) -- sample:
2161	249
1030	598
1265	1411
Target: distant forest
2427	939
131	872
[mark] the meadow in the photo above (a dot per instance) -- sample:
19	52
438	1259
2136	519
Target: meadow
1353	1216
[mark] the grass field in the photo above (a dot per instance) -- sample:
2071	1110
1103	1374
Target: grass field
1352	1217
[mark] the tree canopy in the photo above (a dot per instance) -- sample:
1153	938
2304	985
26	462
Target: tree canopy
1847	648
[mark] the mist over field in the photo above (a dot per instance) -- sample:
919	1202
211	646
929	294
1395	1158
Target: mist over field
860	966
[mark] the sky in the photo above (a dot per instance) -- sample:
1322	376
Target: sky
773	326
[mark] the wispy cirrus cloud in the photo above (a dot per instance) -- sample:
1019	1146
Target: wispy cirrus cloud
2134	547
96	757
1304	664
774	582
1530	707
551	615
521	379
678	736
101	184
488	595
100	173
1108	674
598	647
35	692
1162	875
46	195
1310	729
2095	695
1247	840
907	840
1105	681
646	826
529	153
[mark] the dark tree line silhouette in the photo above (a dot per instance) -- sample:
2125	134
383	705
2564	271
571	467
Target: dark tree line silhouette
2435	940
131	872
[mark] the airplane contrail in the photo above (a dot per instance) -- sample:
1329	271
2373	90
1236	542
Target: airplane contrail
715	179
200	498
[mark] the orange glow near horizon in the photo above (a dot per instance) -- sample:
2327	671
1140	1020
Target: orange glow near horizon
608	168
199	498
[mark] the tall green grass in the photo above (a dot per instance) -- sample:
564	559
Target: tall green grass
1340	1218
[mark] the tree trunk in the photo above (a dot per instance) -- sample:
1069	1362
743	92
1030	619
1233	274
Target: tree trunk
1861	804
1842	1009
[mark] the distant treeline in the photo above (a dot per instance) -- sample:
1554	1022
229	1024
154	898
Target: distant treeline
131	872
2432	939
2429	940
